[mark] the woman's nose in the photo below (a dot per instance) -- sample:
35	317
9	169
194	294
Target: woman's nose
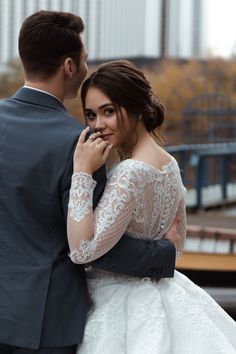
100	125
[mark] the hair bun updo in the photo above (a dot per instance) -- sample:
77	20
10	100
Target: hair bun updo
153	116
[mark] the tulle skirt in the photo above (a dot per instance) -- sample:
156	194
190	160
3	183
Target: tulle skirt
171	316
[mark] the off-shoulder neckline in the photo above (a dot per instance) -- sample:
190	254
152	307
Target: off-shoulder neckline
162	169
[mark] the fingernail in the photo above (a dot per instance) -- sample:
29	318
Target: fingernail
110	146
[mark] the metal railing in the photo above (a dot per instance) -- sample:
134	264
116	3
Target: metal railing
194	163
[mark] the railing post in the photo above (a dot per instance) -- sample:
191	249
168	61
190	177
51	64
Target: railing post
223	176
199	170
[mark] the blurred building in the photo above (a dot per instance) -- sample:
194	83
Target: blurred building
118	28
184	29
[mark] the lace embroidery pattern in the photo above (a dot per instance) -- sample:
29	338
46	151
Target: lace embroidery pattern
122	188
85	250
138	199
81	195
111	217
162	194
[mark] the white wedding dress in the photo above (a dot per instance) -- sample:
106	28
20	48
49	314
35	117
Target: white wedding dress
144	316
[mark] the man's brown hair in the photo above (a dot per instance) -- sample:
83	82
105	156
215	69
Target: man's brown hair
46	39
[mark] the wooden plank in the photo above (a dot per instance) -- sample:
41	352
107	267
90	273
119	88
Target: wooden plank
207	261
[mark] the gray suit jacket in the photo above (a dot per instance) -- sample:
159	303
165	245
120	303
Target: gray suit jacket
43	295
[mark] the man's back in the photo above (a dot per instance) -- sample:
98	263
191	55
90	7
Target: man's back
40	288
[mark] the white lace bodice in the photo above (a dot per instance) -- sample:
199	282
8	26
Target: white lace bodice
138	199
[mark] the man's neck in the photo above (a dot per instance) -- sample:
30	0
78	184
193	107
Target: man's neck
46	87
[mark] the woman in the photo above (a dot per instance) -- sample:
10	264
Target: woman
143	195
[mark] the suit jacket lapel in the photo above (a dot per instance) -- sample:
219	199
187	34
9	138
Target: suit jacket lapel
38	98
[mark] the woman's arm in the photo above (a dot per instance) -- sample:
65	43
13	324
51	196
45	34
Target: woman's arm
181	227
92	234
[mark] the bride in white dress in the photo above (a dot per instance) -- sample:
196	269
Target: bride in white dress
143	195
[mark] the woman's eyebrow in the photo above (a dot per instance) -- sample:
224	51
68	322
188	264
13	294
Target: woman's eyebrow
102	106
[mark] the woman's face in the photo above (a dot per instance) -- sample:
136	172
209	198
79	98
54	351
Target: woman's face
101	115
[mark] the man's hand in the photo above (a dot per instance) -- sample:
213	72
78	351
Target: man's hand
172	234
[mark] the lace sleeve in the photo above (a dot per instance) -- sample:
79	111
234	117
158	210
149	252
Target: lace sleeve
109	220
81	194
181	214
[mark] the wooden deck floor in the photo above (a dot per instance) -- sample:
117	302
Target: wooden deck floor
207	262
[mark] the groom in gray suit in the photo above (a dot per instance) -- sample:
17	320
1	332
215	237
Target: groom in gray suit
43	295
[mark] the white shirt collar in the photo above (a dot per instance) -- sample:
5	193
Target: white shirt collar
47	93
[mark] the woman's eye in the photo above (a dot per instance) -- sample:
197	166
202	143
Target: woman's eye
90	115
109	111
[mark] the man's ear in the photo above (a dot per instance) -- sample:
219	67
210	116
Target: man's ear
70	67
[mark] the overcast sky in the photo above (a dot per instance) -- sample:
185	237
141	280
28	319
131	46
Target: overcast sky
221	19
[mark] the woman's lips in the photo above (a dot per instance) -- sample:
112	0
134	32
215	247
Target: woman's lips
106	136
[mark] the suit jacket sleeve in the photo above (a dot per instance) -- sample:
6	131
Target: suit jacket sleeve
141	258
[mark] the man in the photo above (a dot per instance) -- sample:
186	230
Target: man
43	295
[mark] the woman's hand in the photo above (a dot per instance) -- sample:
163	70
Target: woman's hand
91	154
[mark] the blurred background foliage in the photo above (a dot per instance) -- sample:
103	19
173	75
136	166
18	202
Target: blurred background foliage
175	83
